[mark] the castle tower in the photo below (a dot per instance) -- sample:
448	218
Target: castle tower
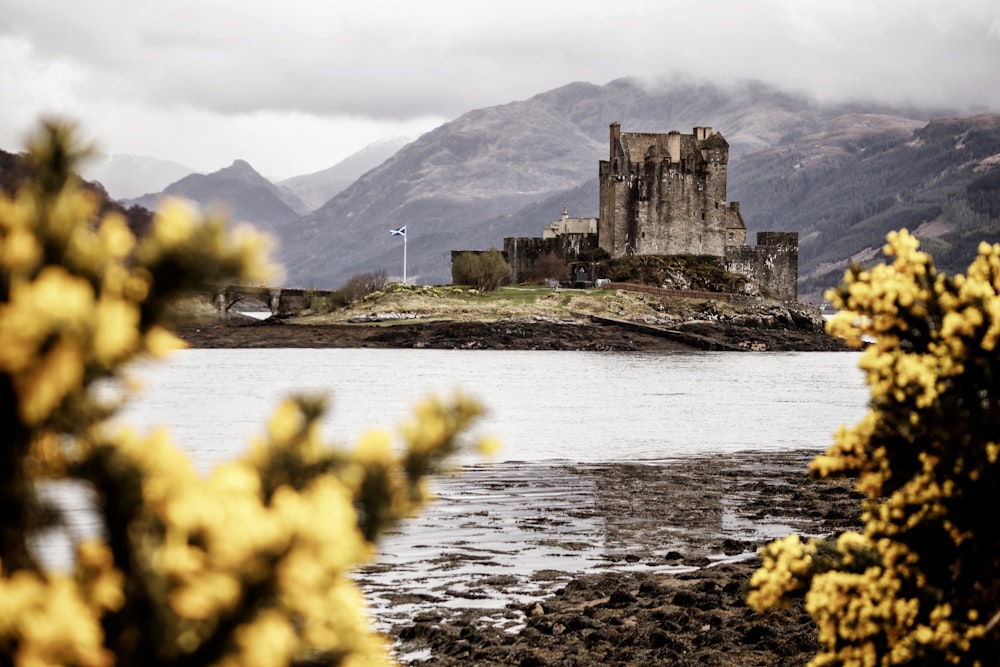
664	194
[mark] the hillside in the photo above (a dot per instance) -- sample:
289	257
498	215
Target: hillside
245	194
508	170
843	188
320	187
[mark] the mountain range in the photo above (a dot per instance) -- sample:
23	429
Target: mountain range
245	195
510	169
318	188
841	175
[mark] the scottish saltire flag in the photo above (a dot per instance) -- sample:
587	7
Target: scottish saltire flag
398	232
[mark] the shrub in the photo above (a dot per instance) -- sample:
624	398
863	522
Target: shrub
359	286
249	565
920	583
549	267
484	271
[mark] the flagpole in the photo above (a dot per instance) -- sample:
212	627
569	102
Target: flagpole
401	232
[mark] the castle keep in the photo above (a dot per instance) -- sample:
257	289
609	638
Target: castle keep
665	194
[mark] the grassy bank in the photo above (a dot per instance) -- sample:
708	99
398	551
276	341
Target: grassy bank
399	302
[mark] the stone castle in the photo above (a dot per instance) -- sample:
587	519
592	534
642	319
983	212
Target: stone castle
665	194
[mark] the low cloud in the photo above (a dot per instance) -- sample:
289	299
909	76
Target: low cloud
392	65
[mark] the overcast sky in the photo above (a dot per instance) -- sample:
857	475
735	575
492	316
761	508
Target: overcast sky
294	86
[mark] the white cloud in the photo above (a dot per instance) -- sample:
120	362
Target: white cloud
205	81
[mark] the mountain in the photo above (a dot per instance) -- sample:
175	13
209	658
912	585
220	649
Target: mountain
247	196
128	176
468	183
844	187
318	188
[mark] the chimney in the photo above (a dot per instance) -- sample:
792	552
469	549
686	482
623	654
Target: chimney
674	146
616	137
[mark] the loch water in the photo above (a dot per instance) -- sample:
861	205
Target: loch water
543	405
548	408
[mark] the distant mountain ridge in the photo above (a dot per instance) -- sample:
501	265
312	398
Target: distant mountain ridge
845	187
318	188
15	171
247	196
839	175
468	183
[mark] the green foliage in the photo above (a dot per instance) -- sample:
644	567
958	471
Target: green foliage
920	584
247	566
322	304
484	271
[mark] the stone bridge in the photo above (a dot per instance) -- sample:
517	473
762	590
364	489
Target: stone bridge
278	300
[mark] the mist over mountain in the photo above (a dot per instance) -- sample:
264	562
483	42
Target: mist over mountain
319	187
129	176
489	173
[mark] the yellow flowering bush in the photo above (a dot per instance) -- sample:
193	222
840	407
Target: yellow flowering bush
920	585
246	566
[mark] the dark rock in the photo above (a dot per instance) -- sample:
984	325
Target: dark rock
621	598
684	599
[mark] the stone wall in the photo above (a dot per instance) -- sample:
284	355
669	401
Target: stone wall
522	252
773	264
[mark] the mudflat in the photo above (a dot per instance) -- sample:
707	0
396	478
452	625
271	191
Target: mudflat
640	563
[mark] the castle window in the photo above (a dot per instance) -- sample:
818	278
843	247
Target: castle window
716	204
702	215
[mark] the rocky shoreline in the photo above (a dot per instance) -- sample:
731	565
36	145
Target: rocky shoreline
579	565
593	334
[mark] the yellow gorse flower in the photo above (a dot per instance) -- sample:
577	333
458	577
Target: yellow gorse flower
248	565
909	588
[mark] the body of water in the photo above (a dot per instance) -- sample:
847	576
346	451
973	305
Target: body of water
573	406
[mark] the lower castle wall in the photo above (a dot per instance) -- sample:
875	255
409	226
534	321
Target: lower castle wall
522	252
773	264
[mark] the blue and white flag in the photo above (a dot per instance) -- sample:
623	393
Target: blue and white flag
398	232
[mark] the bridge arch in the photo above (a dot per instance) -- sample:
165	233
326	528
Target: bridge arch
277	300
